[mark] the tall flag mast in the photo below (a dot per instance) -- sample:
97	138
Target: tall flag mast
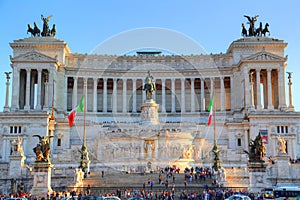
85	161
216	164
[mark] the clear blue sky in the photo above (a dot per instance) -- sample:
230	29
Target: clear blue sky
213	24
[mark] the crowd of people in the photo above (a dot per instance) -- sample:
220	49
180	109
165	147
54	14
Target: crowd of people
165	189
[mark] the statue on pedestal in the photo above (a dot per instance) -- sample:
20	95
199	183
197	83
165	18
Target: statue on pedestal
16	147
257	150
42	150
252	21
149	86
46	30
281	145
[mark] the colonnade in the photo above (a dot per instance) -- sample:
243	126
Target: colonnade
172	94
31	89
266	89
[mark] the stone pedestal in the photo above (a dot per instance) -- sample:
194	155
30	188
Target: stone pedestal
41	179
283	169
15	165
149	113
257	176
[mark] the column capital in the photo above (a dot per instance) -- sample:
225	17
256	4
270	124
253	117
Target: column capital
95	79
182	79
269	70
257	69
39	69
222	77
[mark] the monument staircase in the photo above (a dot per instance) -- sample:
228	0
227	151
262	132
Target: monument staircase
113	181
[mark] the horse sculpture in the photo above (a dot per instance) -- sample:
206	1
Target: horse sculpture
265	30
259	30
36	29
30	30
244	30
149	86
53	30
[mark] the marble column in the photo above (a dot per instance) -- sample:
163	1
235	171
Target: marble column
65	91
252	90
15	89
143	92
85	92
222	94
270	104
95	94
163	96
212	86
124	95
258	96
282	88
134	95
46	101
51	86
202	95
247	88
74	101
115	94
192	95
232	93
39	94
104	95
173	110
27	100
183	95
6	107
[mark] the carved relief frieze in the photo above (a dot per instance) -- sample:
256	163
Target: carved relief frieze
33	57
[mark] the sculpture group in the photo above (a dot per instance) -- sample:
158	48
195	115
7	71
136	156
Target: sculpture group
257	150
36	32
42	149
252	31
149	86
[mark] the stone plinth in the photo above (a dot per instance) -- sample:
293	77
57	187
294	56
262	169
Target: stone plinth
257	176
149	113
15	165
41	179
283	169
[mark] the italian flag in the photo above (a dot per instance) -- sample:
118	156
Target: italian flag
79	108
210	110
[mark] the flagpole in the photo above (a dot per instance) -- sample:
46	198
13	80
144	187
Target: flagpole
85	161
84	113
215	150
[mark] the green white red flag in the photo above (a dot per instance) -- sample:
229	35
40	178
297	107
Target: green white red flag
79	108
210	110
